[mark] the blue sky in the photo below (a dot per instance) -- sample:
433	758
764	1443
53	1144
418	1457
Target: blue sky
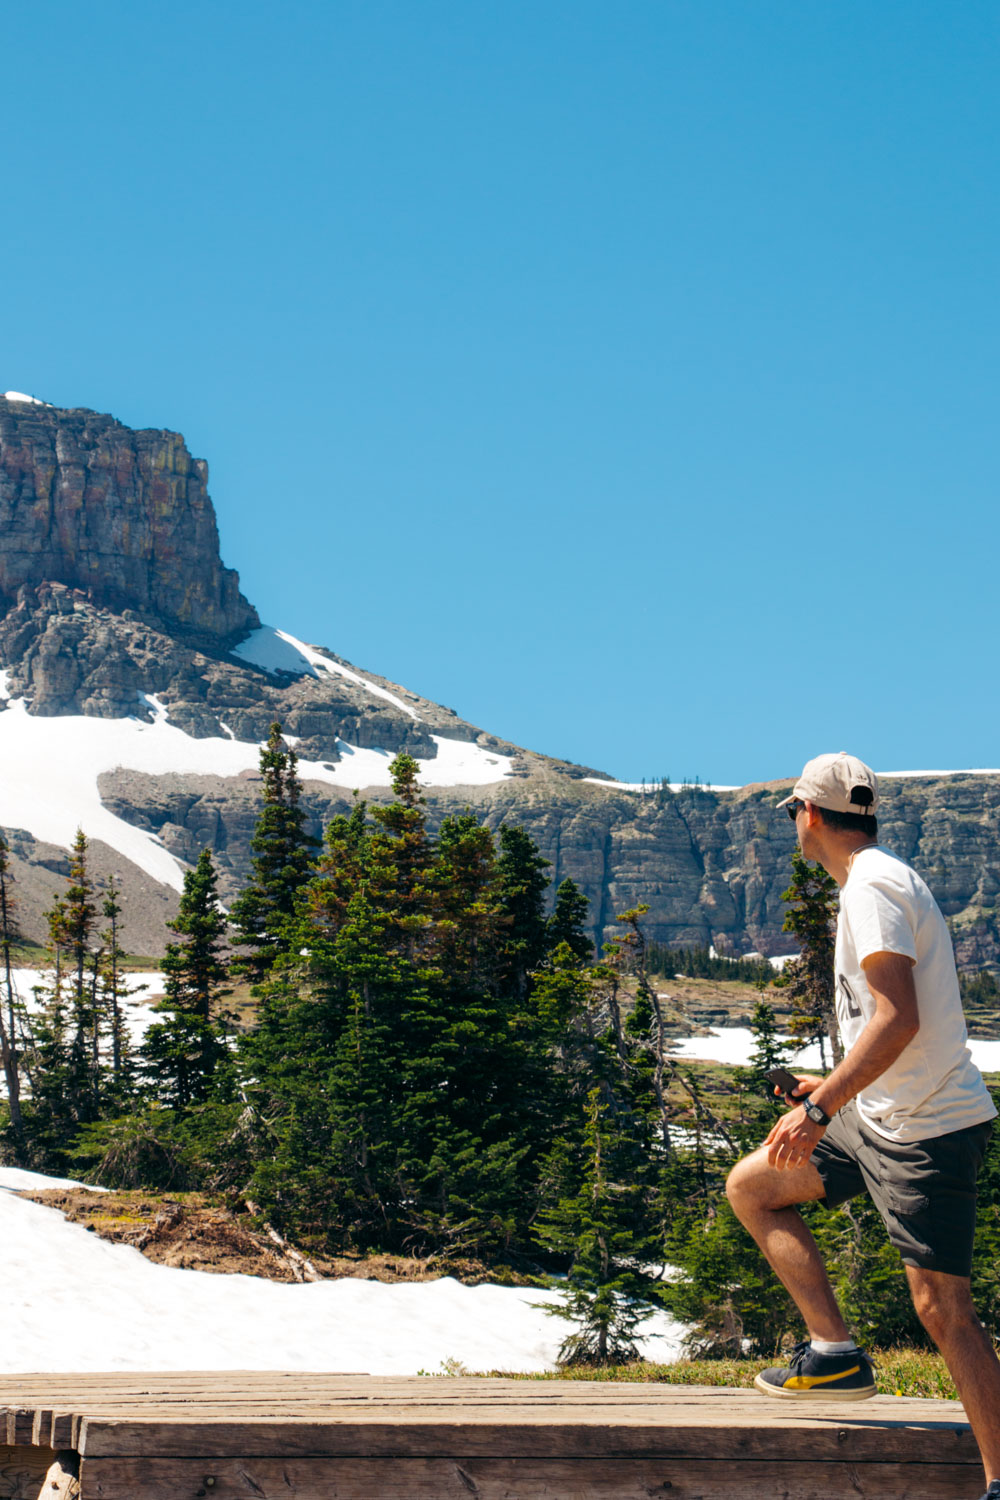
623	376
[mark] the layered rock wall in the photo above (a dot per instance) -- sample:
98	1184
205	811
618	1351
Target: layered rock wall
711	867
122	515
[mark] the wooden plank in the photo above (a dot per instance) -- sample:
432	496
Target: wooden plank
551	1438
515	1479
19	1424
88	1391
22	1472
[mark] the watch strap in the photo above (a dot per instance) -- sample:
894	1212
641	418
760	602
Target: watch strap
815	1111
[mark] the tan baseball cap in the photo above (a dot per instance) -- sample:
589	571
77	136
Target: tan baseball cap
832	781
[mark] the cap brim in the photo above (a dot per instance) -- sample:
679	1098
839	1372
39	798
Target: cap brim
790	798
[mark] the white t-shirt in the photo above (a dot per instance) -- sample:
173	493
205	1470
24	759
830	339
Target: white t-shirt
933	1087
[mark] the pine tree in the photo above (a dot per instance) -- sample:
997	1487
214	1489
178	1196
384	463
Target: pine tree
567	924
520	892
607	1226
57	1055
282	853
401	860
73	920
809	979
112	992
182	1054
338	873
9	1008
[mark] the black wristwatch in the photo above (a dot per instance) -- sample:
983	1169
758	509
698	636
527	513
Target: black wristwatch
816	1112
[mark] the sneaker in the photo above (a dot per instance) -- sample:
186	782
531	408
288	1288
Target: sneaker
993	1493
822	1377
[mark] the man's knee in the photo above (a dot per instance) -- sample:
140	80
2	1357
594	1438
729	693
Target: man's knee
746	1185
753	1185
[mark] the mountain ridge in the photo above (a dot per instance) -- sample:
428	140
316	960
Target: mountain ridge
121	627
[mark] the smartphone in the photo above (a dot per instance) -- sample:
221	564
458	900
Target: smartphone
785	1081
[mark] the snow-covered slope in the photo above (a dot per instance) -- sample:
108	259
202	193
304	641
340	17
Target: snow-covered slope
279	653
75	1302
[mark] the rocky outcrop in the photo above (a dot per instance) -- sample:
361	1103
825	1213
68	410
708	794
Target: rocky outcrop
67	655
122	515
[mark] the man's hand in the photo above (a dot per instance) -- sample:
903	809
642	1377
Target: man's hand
807	1082
793	1139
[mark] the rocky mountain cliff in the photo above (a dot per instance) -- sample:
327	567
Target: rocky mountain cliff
124	516
136	683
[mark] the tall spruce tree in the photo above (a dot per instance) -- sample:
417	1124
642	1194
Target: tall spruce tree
809	979
521	884
182	1054
112	992
263	913
64	1064
568	921
77	918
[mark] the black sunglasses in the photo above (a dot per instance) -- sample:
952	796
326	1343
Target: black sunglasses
793	808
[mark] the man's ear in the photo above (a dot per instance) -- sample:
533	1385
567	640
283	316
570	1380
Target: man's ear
812	814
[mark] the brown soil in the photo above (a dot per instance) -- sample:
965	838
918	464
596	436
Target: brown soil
189	1231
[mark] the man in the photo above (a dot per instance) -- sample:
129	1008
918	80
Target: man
905	1116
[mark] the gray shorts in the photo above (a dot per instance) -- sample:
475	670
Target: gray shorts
925	1191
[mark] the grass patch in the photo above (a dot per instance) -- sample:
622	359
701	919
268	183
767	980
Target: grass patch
898	1372
34	956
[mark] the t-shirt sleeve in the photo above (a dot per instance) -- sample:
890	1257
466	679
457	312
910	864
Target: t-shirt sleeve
879	920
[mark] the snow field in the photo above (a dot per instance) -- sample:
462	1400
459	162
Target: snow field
143	990
74	1302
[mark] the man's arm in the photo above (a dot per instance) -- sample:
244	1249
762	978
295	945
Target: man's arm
896	1021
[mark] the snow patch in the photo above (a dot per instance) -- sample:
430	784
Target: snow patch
734	1044
17	1180
20	396
278	652
143	990
74	1302
889	775
50	770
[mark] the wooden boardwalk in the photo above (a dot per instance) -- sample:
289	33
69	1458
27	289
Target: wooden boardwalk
330	1437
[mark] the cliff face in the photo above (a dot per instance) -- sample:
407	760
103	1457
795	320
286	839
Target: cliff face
123	516
710	866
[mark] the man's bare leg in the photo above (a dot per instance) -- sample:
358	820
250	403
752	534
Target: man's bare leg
944	1306
763	1199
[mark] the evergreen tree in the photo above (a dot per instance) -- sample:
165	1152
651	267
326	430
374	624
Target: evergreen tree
809	979
338	873
9	1008
567	923
112	993
607	1228
62	1096
521	884
181	1055
401	861
282	853
74	920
